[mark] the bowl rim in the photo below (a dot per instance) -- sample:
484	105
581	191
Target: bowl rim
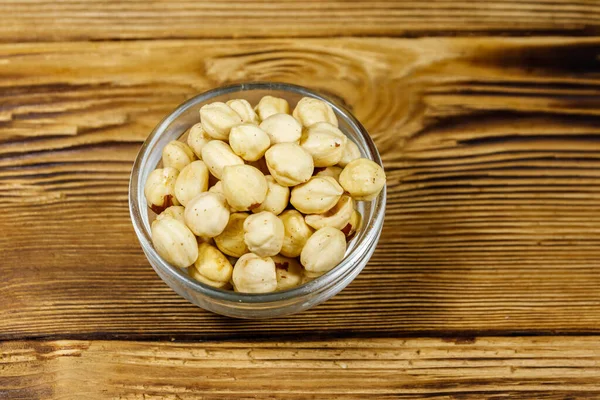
366	238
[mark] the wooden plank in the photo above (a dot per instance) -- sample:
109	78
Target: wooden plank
491	147
488	368
36	20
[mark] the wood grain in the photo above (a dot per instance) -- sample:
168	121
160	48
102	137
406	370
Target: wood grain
488	368
491	146
36	20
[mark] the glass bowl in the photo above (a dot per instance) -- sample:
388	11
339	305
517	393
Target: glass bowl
243	305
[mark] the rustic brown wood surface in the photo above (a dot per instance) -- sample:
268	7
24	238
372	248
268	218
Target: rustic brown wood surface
491	148
36	20
499	368
487	116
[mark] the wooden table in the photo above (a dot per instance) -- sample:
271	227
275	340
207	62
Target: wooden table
486	281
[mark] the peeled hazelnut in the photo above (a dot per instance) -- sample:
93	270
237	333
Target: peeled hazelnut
174	242
192	180
263	234
363	179
217	120
270	105
334	172
323	250
296	233
353	225
253	274
160	189
289	164
310	111
211	267
177	154
282	128
231	240
309	276
249	141
289	272
245	187
172	212
277	197
325	143
316	196
207	214
197	138
337	217
217	155
244	110
351	153
217	188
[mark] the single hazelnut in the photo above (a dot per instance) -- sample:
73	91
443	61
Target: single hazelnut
289	272
244	110
270	105
231	240
173	212
160	189
211	267
263	234
217	120
177	154
174	242
296	233
363	179
282	128
316	196
337	217
323	250
197	138
217	188
333	171
245	187
309	111
351	153
207	214
325	143
192	180
253	274
353	225
277	199
309	276
289	164
249	141
217	155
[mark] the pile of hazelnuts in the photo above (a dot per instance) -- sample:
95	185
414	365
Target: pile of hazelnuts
257	199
